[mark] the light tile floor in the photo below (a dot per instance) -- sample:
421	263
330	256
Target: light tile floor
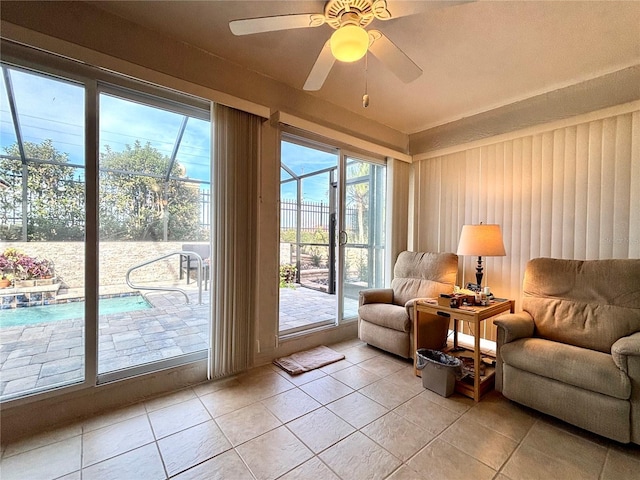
346	421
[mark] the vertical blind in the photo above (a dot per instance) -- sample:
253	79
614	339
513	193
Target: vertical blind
571	192
235	166
398	177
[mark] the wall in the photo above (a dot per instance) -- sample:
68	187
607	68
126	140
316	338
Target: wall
566	190
115	260
608	90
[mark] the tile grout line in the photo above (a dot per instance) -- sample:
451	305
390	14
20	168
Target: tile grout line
520	442
604	464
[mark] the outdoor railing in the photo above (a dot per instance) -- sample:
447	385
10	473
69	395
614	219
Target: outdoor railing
169	289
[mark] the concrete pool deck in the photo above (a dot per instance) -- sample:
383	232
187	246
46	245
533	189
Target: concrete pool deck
40	356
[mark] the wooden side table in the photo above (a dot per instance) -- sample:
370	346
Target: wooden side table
474	316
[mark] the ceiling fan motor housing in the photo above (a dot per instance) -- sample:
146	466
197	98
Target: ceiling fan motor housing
338	13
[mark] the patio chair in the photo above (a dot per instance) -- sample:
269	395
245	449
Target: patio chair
189	263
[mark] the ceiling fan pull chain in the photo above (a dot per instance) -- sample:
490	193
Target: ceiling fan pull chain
365	97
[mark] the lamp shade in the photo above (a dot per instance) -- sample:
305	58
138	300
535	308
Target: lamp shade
349	43
481	240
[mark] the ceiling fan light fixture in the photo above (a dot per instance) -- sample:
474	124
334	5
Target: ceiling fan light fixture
349	43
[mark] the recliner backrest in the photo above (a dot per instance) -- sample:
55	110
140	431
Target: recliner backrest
423	274
587	303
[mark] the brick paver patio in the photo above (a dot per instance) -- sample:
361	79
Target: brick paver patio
301	306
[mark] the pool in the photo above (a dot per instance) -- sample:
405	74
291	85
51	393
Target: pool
14	317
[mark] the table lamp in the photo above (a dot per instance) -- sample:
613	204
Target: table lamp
481	241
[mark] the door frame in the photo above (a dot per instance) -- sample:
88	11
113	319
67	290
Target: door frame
345	155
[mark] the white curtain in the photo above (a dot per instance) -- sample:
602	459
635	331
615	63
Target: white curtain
570	192
235	166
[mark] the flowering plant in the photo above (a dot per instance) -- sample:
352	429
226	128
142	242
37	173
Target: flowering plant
5	266
22	266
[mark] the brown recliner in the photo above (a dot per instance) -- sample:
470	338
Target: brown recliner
574	350
385	315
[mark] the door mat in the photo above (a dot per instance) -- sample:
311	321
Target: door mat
301	362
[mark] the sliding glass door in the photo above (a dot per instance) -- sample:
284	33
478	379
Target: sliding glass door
362	231
105	221
331	233
308	214
42	232
154	232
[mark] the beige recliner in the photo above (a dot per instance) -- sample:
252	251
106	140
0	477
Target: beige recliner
574	351
385	315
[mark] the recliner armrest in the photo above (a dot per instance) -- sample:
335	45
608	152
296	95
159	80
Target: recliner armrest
626	355
411	303
513	326
625	347
376	295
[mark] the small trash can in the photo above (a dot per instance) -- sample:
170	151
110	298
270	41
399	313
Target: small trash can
438	370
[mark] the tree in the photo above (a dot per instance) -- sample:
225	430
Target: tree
135	202
135	206
55	195
358	198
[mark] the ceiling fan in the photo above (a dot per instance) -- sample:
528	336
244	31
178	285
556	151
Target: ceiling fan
349	42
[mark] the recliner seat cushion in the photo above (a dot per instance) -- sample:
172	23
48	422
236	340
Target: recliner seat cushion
580	367
386	315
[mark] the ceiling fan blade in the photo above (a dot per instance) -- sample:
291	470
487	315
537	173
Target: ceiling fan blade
320	69
394	59
249	26
402	8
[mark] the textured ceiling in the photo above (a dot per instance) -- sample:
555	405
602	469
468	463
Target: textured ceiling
476	56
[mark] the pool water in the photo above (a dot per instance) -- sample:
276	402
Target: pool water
14	317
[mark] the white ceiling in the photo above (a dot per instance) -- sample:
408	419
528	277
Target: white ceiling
476	56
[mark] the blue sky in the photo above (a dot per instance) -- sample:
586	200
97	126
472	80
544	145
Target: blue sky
53	109
303	160
47	109
122	122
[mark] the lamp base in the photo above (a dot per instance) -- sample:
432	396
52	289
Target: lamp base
479	272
